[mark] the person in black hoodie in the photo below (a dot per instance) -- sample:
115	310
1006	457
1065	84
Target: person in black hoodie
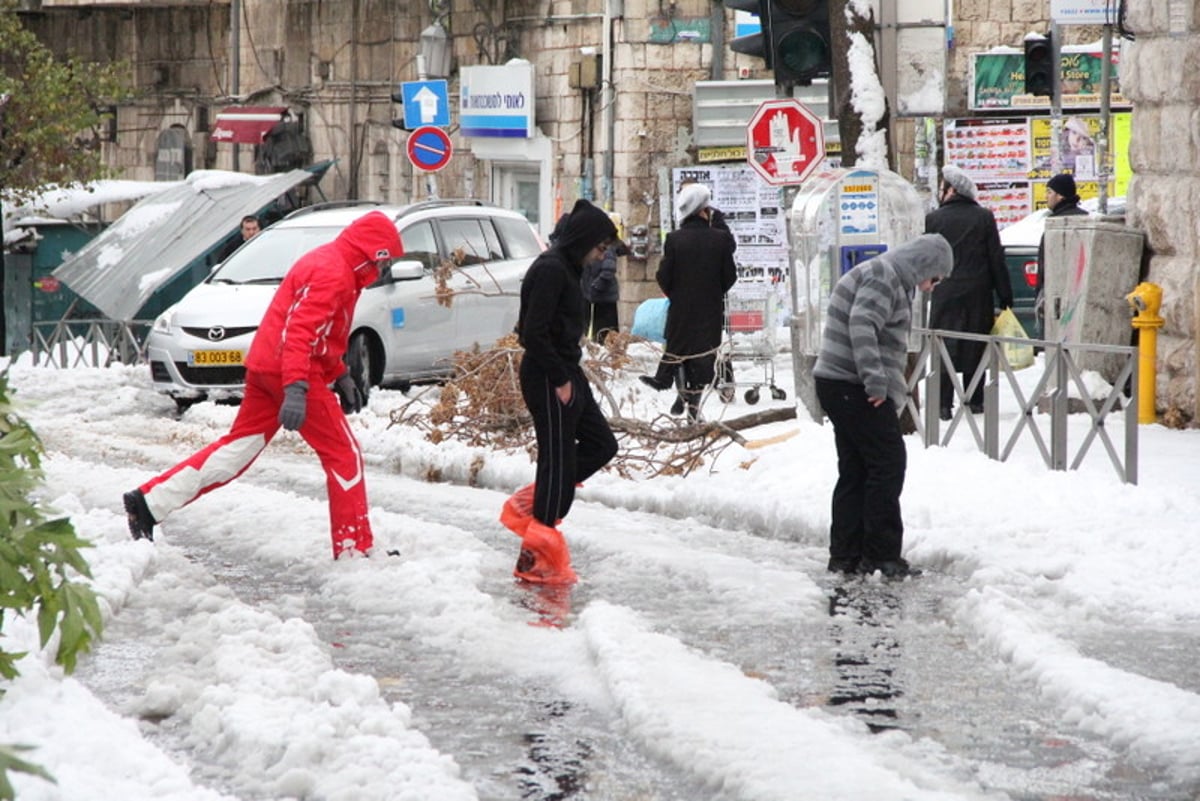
573	438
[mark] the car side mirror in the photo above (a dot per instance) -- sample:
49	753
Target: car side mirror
408	270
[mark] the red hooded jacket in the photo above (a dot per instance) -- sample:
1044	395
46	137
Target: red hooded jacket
304	333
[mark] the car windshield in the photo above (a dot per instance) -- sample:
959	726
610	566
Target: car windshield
266	257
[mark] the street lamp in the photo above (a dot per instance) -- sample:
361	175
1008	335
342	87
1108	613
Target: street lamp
435	51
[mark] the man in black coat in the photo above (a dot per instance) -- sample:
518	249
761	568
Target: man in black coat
573	438
1063	201
966	301
696	271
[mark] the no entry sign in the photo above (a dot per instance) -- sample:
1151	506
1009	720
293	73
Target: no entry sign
429	148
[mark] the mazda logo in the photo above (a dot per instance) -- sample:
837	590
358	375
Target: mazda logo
216	333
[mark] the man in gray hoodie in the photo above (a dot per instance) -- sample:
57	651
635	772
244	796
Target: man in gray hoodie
861	386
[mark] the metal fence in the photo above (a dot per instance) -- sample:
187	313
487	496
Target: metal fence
1043	412
88	343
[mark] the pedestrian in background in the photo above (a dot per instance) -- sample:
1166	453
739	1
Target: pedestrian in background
966	301
573	438
696	271
250	228
601	291
295	356
860	383
1063	201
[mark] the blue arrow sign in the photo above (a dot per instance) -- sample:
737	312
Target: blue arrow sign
425	103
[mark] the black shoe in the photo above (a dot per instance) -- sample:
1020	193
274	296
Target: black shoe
677	407
141	522
653	382
843	564
890	568
946	414
976	408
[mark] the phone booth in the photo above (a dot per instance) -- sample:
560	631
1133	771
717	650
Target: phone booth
841	217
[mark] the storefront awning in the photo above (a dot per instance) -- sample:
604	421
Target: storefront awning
246	125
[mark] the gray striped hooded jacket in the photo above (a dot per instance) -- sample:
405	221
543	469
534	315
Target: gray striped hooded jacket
870	315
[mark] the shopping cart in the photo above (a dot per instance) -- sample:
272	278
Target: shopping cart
749	338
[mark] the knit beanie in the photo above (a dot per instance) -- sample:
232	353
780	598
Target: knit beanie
1063	184
959	180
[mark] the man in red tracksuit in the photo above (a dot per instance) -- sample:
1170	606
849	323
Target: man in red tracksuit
295	356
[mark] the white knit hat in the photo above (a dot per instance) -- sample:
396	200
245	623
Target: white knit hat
690	200
959	180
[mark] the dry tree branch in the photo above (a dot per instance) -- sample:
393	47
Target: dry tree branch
481	405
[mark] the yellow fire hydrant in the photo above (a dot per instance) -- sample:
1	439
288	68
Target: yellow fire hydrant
1146	300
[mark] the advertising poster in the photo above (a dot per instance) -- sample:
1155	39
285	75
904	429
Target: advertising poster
753	210
989	149
1009	201
998	79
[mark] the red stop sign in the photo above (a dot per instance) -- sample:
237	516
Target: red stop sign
785	141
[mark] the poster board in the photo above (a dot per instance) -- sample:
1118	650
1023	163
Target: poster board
997	79
753	210
1010	158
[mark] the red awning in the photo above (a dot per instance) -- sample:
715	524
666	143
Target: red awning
246	125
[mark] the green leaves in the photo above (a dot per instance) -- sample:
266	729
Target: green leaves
50	124
9	761
40	564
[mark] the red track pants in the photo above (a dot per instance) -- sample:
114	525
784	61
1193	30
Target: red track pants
325	429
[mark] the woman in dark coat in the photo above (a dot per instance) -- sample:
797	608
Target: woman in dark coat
966	301
696	271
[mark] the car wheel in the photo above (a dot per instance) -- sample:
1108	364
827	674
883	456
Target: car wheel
358	361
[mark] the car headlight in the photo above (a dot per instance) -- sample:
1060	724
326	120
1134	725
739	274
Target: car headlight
164	322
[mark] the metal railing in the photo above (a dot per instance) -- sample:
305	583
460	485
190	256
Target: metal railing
1051	395
88	342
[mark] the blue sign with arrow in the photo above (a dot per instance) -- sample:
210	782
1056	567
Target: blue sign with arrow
425	103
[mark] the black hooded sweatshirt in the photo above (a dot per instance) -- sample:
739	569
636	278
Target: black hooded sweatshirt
550	324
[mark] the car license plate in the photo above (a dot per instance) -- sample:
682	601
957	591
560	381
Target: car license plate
214	358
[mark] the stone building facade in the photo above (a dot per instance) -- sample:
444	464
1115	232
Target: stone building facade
1161	75
335	64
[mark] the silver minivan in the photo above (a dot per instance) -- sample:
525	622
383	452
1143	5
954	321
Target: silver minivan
456	286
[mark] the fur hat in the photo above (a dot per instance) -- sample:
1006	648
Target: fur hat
1063	184
959	181
690	200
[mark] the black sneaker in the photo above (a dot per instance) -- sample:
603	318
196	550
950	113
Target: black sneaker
891	568
652	382
946	414
677	407
141	522
976	408
843	564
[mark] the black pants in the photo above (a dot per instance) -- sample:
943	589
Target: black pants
574	440
872	459
691	375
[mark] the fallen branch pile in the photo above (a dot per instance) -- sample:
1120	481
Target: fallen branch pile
481	406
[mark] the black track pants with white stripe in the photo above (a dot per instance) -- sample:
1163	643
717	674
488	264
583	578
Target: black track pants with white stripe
574	440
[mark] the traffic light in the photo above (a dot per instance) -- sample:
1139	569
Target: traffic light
1040	69
795	39
800	40
398	99
754	44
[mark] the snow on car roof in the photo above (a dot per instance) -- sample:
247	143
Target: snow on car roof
1027	231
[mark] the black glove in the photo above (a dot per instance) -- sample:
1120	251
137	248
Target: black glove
295	405
348	393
